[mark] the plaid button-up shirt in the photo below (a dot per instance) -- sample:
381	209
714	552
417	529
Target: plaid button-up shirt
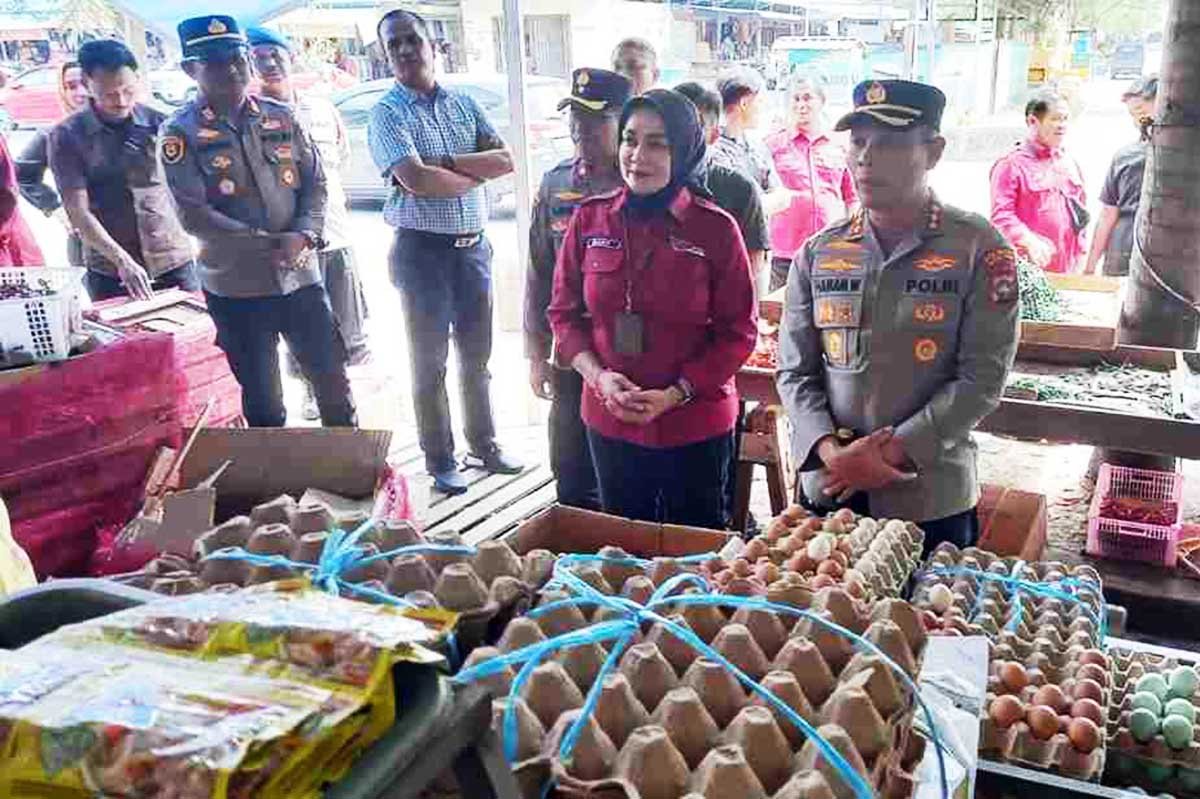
406	124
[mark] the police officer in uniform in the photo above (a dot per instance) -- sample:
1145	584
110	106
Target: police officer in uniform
899	328
248	184
597	97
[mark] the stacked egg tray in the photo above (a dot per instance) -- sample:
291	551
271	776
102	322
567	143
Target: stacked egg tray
804	553
486	588
1049	684
1153	739
671	723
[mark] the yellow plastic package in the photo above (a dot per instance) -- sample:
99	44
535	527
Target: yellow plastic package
143	724
16	572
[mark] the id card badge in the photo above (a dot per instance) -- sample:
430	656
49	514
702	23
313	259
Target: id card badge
629	333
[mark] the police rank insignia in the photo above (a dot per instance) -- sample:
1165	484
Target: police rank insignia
288	177
836	265
936	263
284	151
925	350
222	162
173	149
876	94
217	27
208	134
227	187
1001	265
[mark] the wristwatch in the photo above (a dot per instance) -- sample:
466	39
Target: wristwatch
314	239
685	390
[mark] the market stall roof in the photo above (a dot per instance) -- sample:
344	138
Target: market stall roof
20	27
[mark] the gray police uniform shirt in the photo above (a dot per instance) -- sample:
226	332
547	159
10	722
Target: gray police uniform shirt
238	182
563	188
921	340
1123	191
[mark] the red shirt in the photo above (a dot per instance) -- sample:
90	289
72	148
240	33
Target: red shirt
689	280
817	170
18	247
1030	189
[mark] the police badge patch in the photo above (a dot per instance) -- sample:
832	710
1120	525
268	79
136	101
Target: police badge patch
173	149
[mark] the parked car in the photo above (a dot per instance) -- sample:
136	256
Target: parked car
549	134
171	86
31	97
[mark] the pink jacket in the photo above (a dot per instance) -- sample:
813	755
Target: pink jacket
818	171
1031	187
18	247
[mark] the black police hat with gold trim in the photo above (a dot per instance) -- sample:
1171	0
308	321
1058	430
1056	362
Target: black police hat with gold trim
598	91
202	37
895	104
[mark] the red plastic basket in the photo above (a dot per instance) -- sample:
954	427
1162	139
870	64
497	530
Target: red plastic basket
1123	540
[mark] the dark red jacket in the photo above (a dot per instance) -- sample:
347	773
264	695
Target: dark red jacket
689	279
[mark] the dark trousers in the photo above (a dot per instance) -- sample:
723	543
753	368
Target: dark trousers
339	274
779	273
679	485
961	529
570	452
104	287
445	285
248	330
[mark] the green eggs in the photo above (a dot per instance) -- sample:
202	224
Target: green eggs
1181	707
1177	731
1148	701
1183	681
1144	724
1155	684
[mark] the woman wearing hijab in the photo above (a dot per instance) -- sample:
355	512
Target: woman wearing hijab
653	305
18	247
31	164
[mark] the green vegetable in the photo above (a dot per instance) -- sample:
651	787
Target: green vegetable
1040	302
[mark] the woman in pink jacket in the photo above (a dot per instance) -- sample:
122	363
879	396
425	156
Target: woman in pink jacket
814	168
18	247
1038	200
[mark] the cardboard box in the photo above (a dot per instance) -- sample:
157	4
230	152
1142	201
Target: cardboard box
255	465
1012	522
560	529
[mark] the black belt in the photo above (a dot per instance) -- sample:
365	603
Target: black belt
458	241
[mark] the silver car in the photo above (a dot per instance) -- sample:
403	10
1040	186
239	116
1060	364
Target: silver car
549	134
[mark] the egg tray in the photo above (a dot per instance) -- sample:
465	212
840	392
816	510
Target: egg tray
981	607
1126	770
670	722
486	589
873	559
1017	742
1128	667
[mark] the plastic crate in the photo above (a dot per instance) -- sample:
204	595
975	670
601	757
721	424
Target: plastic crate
1122	540
40	327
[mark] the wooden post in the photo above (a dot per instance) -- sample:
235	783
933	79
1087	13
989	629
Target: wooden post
1161	311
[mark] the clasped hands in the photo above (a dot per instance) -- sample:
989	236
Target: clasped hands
865	464
630	403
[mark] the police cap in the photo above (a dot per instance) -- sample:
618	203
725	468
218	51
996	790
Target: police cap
598	91
896	105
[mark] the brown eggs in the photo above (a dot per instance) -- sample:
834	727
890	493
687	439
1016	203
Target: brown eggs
830	567
1052	696
1006	711
1095	657
1090	671
1084	734
823	581
1088	709
1013	677
1043	721
756	549
1089	689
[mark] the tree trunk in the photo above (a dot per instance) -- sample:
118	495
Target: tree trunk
1168	217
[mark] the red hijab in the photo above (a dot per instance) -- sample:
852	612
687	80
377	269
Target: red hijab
18	247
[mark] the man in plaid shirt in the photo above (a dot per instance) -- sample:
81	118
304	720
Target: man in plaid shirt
438	150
